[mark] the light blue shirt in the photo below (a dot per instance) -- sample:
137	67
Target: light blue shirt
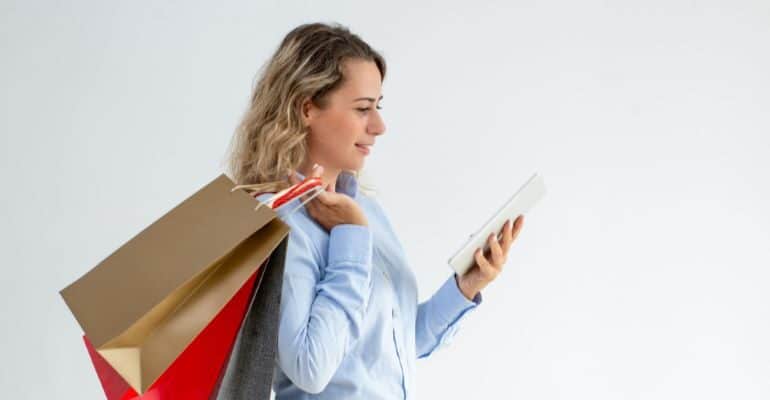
350	323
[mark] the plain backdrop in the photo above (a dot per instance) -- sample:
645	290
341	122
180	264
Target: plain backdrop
643	274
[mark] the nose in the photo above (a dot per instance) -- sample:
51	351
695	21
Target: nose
376	125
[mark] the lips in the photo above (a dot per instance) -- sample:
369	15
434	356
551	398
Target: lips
365	148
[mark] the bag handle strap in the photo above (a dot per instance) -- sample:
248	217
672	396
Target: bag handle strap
311	185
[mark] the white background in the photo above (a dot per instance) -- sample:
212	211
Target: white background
643	274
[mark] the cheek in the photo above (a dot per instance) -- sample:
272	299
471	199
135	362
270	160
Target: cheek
337	133
341	128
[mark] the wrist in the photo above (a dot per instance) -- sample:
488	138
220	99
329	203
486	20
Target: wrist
361	221
466	289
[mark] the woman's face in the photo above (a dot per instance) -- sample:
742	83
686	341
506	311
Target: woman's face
344	131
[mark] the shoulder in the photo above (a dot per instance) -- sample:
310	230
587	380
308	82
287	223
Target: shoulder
371	203
376	208
299	223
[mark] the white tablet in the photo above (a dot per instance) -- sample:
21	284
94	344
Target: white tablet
520	203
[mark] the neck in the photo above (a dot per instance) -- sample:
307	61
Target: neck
329	176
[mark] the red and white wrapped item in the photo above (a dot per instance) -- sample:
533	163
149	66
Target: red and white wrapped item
310	185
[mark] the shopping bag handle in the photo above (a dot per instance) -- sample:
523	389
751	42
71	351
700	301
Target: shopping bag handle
310	185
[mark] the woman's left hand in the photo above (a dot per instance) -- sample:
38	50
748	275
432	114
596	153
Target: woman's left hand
486	269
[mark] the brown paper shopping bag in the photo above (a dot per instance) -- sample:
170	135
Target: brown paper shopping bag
145	303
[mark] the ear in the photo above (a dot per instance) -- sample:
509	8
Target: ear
308	111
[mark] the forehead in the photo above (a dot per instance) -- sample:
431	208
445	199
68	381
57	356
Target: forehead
362	79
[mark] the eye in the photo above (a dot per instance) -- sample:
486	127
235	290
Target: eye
364	110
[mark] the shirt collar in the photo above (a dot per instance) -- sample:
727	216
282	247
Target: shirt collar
346	183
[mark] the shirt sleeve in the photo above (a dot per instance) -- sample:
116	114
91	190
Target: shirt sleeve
322	306
438	318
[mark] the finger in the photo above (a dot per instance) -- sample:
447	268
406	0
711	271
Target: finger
484	266
507	236
517	226
318	196
496	252
318	170
323	195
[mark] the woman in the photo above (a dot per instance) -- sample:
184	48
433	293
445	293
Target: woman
350	323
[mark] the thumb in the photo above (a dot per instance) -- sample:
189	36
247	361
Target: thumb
324	196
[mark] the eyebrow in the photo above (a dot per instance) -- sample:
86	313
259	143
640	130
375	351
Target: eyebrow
371	99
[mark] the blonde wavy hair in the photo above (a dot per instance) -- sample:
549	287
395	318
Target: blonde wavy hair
271	139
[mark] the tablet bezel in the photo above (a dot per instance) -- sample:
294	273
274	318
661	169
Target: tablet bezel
519	203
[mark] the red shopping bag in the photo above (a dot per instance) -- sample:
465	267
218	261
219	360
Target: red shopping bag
195	373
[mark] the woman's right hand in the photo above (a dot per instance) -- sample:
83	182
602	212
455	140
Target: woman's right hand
330	208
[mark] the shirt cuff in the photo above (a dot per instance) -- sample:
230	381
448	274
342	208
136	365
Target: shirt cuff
350	243
451	303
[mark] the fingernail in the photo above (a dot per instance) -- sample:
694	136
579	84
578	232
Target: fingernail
315	165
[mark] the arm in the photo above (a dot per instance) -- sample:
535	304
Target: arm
322	306
438	318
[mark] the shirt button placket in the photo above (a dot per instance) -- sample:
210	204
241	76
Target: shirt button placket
396	327
399	349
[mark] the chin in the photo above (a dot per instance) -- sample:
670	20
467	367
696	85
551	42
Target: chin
354	166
